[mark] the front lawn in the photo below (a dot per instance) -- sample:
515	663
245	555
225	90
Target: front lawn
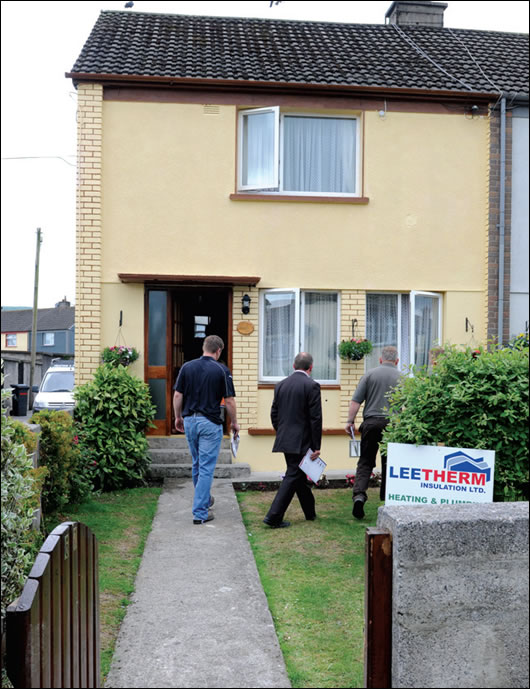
313	577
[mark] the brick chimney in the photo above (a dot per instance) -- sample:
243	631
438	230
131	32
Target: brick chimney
418	13
62	304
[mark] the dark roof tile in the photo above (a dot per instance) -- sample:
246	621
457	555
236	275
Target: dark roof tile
314	53
58	318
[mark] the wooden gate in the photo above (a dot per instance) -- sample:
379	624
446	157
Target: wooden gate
53	627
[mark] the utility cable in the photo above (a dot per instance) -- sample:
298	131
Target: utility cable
428	57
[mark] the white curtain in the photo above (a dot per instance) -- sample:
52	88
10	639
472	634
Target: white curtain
279	333
320	333
319	154
258	150
381	325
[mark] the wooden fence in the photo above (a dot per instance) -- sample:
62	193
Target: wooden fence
53	627
378	609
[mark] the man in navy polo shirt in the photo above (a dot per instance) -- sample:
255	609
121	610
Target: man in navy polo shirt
200	387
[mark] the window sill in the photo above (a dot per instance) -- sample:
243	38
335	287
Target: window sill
271	431
355	200
271	386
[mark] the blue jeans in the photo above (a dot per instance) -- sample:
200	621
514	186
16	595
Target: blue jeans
204	440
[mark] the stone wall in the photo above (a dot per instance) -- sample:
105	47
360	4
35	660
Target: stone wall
459	594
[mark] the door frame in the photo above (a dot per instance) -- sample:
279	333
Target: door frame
165	426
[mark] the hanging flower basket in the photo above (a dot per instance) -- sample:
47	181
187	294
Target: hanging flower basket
119	355
354	349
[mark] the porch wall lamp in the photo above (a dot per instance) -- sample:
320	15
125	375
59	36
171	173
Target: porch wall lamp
245	301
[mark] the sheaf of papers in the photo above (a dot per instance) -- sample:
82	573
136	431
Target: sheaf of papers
234	444
313	468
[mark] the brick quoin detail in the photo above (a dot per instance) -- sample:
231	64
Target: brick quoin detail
88	232
245	358
353	305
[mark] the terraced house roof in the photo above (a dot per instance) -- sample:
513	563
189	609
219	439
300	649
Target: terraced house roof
18	321
164	48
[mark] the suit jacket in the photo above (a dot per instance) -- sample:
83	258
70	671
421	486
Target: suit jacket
296	414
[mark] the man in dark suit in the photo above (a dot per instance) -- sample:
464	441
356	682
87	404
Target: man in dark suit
296	415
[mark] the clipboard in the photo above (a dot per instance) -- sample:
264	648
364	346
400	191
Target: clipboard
313	468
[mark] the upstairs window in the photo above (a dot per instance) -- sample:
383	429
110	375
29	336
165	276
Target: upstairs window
11	340
302	154
48	339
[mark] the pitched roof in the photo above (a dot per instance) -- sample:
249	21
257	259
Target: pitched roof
59	318
163	48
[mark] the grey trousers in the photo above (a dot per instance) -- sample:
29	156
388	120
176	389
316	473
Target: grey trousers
371	434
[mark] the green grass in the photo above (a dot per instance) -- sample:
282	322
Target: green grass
121	521
313	577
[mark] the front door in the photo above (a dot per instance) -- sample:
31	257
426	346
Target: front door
177	321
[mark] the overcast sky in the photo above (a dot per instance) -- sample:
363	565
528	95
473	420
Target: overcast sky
40	42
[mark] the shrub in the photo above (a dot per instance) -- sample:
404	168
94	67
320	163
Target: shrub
470	399
113	413
23	435
69	475
17	511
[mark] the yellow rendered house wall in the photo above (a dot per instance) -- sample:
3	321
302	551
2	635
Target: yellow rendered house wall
158	182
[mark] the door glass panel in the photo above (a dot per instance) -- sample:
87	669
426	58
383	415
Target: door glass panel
157	388
157	328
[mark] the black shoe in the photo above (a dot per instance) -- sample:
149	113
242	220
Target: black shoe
311	519
212	501
279	525
203	521
358	508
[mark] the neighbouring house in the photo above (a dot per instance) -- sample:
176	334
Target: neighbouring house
289	184
55	329
55	338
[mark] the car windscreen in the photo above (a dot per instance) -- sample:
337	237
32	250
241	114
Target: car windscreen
58	381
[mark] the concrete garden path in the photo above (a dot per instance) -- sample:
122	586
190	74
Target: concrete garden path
199	616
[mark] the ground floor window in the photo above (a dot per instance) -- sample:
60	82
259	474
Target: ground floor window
294	320
412	322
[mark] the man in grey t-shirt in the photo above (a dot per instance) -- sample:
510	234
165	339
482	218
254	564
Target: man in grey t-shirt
372	390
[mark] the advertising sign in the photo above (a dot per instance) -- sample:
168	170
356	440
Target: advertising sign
422	474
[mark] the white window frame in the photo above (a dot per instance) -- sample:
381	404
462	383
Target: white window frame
11	336
48	344
279	290
276	146
278	153
331	381
412	326
298	339
412	306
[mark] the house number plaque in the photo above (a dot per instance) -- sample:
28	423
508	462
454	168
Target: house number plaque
245	328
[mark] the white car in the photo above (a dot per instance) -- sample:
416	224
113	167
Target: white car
56	389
